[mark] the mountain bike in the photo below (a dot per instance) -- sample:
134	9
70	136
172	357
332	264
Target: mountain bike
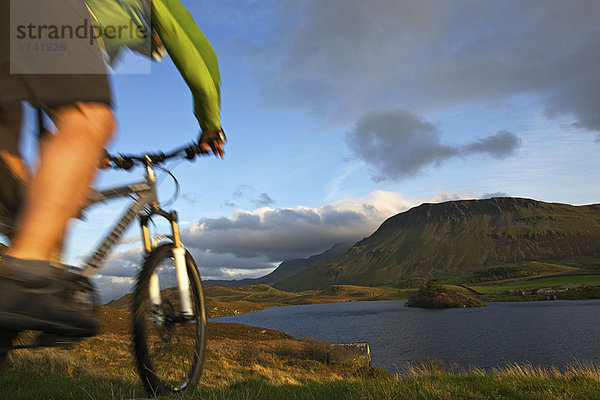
168	310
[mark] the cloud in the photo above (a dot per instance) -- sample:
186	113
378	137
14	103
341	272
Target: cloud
399	144
495	194
267	235
501	145
248	193
340	58
111	287
124	263
263	200
191	197
118	276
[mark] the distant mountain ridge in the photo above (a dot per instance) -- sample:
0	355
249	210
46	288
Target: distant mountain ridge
283	271
459	237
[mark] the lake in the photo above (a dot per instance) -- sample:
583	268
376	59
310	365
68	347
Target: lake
543	333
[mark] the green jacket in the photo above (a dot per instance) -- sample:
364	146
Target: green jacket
187	46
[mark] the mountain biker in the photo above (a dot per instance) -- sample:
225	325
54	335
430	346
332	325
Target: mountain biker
31	285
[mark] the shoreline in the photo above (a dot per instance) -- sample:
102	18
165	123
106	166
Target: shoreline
486	298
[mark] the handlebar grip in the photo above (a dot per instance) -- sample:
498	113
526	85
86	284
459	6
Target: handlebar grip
122	162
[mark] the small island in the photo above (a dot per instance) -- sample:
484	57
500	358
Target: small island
434	295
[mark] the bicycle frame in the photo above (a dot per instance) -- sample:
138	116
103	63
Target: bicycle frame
145	205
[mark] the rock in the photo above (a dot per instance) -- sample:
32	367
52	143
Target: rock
350	353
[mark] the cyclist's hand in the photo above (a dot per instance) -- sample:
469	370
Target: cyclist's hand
213	141
104	162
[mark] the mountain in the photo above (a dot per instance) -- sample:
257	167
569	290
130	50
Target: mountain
283	271
459	237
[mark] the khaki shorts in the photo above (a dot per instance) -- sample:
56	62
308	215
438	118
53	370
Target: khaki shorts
52	90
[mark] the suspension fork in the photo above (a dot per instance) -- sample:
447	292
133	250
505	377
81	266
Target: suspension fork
183	279
179	255
154	286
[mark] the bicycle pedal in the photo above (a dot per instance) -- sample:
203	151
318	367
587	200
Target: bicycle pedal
52	340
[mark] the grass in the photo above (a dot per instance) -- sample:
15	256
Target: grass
538	283
262	375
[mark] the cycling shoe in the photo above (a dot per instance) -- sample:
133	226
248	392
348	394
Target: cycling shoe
34	295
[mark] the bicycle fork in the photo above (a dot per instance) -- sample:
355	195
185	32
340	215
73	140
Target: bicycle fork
179	255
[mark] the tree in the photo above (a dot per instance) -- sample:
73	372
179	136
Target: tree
432	288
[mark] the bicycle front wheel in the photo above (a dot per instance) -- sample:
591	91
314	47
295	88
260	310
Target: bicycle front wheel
169	347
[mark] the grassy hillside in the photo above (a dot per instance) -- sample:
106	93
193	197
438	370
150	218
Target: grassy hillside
459	237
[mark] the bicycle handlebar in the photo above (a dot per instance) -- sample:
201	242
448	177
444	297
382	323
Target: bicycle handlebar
126	162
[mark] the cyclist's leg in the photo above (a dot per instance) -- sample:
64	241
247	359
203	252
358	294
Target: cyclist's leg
60	184
32	291
34	294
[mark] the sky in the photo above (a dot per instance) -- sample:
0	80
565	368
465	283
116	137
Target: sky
342	113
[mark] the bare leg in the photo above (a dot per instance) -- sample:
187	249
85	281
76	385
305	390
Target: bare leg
59	186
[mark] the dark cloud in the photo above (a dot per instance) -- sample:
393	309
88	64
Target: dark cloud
399	144
341	58
501	145
278	234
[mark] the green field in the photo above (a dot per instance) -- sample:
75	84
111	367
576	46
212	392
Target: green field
538	283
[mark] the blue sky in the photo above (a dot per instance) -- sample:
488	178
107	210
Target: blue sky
341	113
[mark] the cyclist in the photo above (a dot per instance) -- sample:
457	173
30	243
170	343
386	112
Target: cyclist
80	107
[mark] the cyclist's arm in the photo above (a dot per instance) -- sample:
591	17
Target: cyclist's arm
193	56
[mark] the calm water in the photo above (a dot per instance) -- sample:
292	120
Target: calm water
543	333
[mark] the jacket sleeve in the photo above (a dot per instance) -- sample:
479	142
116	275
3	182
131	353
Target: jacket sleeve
193	56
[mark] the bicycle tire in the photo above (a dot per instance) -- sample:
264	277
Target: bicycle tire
154	337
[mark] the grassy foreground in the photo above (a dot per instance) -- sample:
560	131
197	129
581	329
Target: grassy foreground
47	375
245	362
